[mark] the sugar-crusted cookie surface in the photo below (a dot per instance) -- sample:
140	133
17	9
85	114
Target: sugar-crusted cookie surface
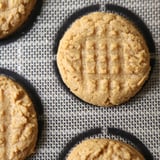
18	122
104	149
103	59
13	14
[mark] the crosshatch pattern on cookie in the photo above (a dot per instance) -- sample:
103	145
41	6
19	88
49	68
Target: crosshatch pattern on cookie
64	115
103	53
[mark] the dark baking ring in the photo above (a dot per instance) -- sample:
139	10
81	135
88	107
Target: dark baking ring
141	26
128	136
138	22
77	139
30	91
26	26
61	32
70	20
111	131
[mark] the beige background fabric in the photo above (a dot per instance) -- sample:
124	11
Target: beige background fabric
65	116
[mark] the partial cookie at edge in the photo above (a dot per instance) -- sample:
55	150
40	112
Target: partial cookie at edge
13	14
18	121
103	149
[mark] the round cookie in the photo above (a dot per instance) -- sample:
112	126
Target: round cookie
103	59
18	122
104	149
13	14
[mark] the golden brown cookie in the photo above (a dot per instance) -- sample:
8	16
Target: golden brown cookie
13	14
103	59
104	149
18	121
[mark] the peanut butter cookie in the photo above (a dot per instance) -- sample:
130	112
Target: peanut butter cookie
13	14
103	59
18	121
104	149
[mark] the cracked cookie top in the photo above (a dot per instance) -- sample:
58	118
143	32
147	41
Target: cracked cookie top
18	121
104	149
103	59
13	14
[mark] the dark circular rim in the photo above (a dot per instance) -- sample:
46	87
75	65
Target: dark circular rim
111	131
26	26
28	87
141	26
